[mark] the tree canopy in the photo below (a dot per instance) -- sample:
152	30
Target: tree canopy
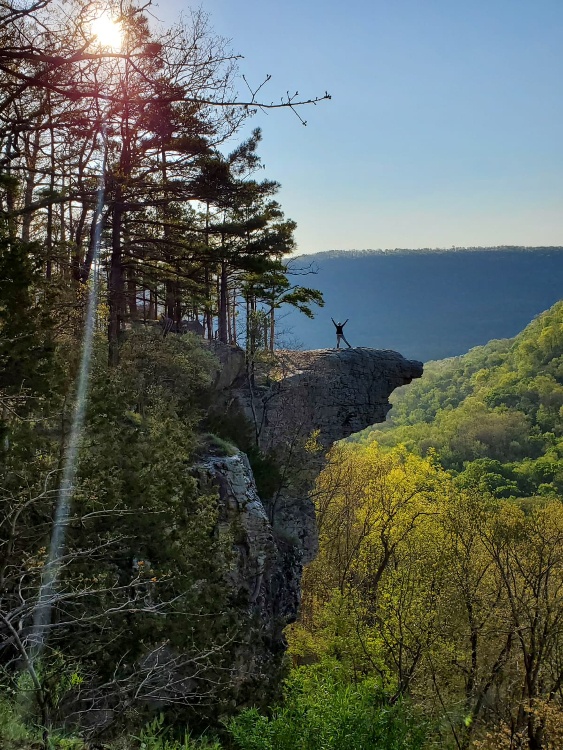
493	416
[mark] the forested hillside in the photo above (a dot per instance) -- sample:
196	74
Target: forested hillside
133	614
440	571
444	597
493	416
428	304
126	200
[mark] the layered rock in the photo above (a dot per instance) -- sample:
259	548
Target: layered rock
328	394
263	575
333	392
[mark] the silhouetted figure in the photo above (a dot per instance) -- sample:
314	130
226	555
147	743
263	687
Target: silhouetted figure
340	333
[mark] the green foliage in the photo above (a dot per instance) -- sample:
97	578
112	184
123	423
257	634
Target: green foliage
141	613
501	403
489	476
437	589
233	427
26	343
216	445
135	468
13	730
17	734
266	470
274	288
144	570
156	735
322	711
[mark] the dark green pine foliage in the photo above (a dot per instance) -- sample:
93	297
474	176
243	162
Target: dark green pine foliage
275	289
30	375
158	529
26	345
144	605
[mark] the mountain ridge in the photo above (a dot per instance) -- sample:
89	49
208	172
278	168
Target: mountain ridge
341	252
426	304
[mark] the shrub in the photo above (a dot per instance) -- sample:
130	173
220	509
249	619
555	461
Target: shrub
322	711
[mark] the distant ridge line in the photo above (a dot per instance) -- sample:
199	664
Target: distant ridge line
429	251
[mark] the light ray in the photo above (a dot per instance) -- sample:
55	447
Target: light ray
51	570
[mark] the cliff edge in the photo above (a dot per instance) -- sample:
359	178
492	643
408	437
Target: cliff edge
326	394
333	392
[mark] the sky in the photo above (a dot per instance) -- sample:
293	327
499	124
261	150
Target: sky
445	126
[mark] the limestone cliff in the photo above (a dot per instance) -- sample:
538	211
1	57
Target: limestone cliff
264	573
328	393
336	392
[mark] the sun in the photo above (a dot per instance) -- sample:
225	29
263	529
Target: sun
108	32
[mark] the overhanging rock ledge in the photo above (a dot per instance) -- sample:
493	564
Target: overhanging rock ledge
331	393
336	392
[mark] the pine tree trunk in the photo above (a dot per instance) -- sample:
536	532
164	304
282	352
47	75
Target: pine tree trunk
30	186
248	329
234	314
132	292
49	263
178	309
76	265
169	287
208	313
116	283
223	304
229	326
272	328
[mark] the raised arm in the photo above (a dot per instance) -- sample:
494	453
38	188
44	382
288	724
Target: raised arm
343	324
333	322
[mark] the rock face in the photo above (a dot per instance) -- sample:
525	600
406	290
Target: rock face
329	393
333	391
264	573
230	365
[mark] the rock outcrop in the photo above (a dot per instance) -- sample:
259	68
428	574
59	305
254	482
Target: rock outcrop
335	392
264	569
326	393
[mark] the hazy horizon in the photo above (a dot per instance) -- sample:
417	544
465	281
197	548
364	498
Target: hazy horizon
426	305
453	248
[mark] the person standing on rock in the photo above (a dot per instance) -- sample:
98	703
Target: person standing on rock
340	333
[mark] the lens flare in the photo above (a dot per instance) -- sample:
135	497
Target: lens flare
108	32
48	595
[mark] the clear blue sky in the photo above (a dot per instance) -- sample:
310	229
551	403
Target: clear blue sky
445	127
